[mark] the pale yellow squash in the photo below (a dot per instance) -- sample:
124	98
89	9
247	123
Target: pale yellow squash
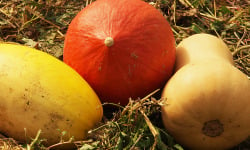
199	47
38	91
207	105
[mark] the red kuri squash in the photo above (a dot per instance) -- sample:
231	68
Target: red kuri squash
122	48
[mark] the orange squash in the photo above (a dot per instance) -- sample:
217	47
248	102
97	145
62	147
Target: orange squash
122	48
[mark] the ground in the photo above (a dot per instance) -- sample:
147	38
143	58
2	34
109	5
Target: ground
42	24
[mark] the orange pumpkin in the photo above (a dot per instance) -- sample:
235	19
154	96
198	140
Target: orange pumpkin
122	48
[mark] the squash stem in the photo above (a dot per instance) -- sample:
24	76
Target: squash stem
109	41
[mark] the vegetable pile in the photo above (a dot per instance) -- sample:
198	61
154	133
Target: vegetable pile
115	54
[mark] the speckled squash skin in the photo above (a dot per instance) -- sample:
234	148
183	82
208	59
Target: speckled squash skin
38	91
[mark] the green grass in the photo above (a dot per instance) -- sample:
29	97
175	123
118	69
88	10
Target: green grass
43	23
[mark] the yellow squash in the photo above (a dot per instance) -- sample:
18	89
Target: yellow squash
38	91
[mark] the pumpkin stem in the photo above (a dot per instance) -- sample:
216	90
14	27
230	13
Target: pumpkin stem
109	41
213	128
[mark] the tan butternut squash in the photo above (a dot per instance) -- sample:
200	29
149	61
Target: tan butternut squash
207	105
199	47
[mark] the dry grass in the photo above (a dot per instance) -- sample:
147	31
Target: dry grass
9	144
43	23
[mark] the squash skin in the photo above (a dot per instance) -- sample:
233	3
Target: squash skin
202	92
141	58
199	47
39	91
